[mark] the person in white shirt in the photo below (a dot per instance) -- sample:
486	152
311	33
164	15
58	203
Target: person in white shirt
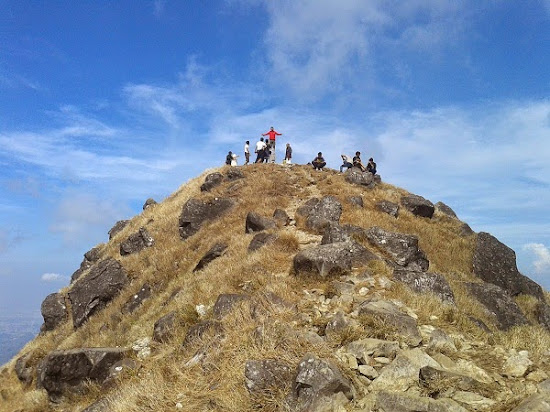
247	152
260	150
346	162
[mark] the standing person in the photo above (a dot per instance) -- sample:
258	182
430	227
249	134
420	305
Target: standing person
288	154
346	162
247	152
319	162
229	158
371	166
234	159
260	150
357	161
272	134
267	151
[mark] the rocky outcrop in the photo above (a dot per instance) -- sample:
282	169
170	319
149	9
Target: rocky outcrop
495	263
423	282
93	292
196	212
418	206
357	177
149	202
267	375
64	370
318	213
121	224
402	248
54	311
137	300
136	242
446	210
346	233
388	207
260	240
213	253
211	181
328	260
503	308
90	257
234	174
257	223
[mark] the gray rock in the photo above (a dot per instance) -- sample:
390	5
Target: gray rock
234	174
357	177
495	263
93	292
337	324
430	375
90	257
64	370
196	212
418	206
401	402
423	282
257	223
535	403
137	300
121	224
281	217
346	233
318	213
213	253
226	303
136	242
446	210
118	370
364	348
148	203
211	181
54	311
101	405
499	303
259	240
317	379
267	375
164	328
356	200
466	230
390	314
440	342
388	207
24	368
542	312
402	248
327	260
201	329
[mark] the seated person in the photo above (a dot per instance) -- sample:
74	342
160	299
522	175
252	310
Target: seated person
357	161
371	166
346	162
319	162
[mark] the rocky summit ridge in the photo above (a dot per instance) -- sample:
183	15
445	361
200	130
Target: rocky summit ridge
281	288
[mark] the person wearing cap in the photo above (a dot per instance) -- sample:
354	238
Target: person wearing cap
319	162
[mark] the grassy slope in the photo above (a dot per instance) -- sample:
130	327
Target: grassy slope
218	383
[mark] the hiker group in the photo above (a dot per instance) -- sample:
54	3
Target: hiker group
265	153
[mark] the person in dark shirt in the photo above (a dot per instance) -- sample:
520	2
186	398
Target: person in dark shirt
371	166
288	154
319	162
357	161
228	158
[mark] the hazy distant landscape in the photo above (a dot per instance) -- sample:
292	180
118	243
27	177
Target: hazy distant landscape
15	331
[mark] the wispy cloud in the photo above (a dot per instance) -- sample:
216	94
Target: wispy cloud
542	257
158	8
53	278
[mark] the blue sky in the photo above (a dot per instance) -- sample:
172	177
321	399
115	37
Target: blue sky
104	104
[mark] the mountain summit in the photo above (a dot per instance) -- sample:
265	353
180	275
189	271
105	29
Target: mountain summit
281	288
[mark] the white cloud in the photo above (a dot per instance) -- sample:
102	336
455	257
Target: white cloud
542	253
53	278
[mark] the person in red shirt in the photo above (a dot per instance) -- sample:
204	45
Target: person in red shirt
272	134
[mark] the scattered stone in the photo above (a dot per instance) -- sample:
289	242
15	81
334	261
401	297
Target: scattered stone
363	349
472	400
446	210
136	300
418	206
506	312
441	342
136	242
200	329
337	324
356	200
234	174
165	327
119	369
368	371
357	177
259	240
211	181
148	203
542	312
402	248
423	282
346	233
213	253
400	402
92	293
318	213
535	403
388	207
196	212
266	375
54	311
142	348
121	224
257	223
495	263
24	368
226	303
430	375
517	365
101	405
342	288
281	217
327	260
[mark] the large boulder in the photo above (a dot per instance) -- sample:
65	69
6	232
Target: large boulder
446	210
121	224
281	217
495	263
318	213
64	370
225	303
328	260
137	299
357	177
54	311
259	240
402	248
25	367
136	242
257	223
346	233
93	292
267	374
90	257
388	207
234	174
149	202
195	212
418	206
499	303
212	180
213	253
423	282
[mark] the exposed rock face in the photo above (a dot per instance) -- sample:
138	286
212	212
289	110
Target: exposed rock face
211	181
537	402
388	207
542	313
423	282
90	257
506	312
443	208
346	233
281	217
466	230
357	177
402	248
195	212
92	293
54	311
318	213
121	224
267	374
259	240
328	260
215	252
317	379
136	242
226	302
66	369
136	300
495	263
389	313
356	200
257	223
418	206
149	202
234	174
